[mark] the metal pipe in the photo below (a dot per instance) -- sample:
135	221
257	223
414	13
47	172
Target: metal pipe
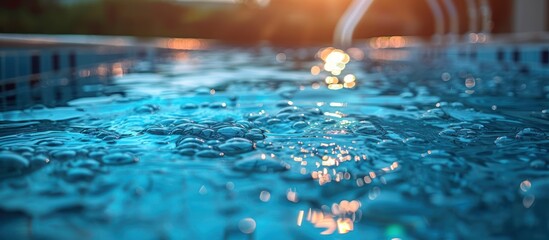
343	35
486	16
473	16
453	16
439	19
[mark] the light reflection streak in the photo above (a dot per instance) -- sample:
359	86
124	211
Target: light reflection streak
300	218
335	114
340	216
337	104
326	175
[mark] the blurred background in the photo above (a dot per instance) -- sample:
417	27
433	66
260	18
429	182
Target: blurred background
283	22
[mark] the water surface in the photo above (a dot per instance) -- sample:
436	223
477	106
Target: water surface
239	143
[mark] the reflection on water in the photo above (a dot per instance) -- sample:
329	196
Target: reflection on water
183	44
253	143
335	62
340	216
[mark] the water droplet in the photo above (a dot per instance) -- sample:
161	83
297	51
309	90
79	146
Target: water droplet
86	163
457	105
218	105
50	143
374	193
188	128
207	134
39	161
414	141
231	132
236	145
528	201
147	108
247	225
157	131
189	145
22	149
209	154
446	76
187	140
254	136
97	155
503	140
187	152
12	163
63	154
525	185
189	106
545	113
470	82
79	174
284	103
118	159
406	95
530	134
265	196
299	125
297	117
274	121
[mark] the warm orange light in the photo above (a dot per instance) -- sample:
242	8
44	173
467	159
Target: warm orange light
315	70
389	42
184	44
323	53
117	70
344	225
349	78
389	54
341	217
331	80
102	70
291	196
349	85
335	86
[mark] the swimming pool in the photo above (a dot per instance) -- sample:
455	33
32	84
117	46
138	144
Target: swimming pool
260	142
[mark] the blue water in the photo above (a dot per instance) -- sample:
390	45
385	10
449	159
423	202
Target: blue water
247	144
